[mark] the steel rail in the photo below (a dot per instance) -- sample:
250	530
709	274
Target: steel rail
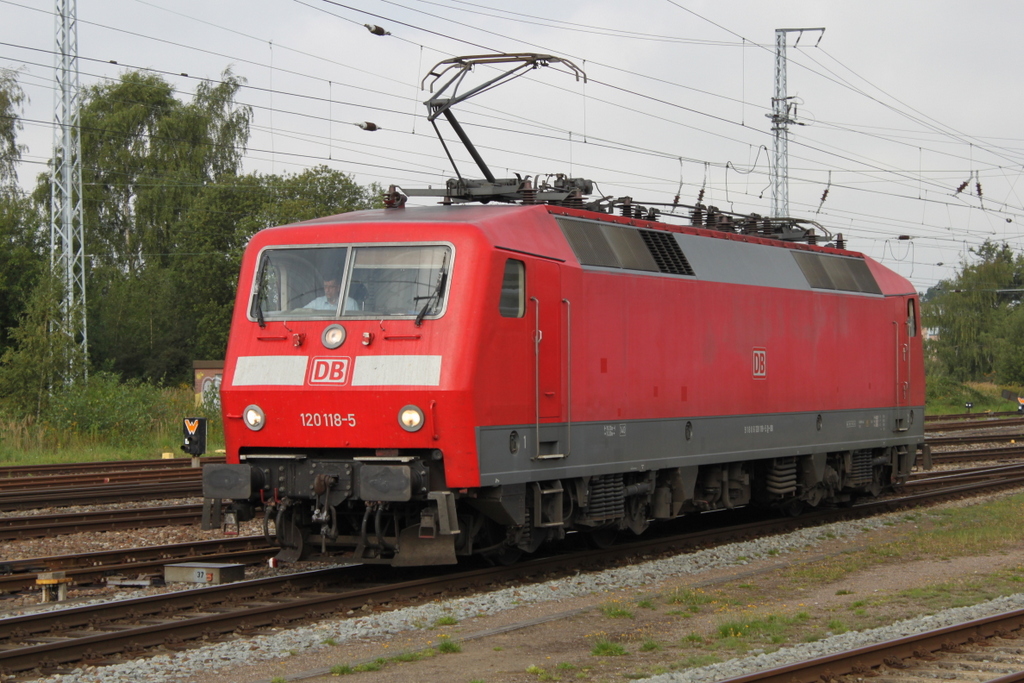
9	471
100	493
96	479
872	656
17	575
970	416
972	424
939	441
37	526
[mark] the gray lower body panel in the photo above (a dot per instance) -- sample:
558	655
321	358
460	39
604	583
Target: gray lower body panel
512	454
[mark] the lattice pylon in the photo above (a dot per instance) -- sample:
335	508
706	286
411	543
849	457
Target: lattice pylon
67	234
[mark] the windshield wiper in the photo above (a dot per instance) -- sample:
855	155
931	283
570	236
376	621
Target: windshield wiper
259	296
438	293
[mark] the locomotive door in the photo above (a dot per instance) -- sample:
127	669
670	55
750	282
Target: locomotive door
544	287
906	327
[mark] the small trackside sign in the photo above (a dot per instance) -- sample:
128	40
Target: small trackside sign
760	363
331	370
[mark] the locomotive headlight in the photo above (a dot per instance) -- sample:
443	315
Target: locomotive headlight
411	418
254	418
333	336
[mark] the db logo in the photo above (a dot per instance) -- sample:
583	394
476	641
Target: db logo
760	363
329	371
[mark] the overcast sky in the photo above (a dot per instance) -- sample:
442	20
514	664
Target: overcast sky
901	102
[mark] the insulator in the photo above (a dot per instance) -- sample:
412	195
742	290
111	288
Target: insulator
977	185
712	216
368	125
962	186
675	201
824	195
376	30
529	193
700	195
840	242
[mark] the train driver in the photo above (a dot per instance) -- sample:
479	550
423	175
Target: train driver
329	301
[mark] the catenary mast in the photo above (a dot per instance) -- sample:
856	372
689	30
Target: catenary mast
783	114
67	236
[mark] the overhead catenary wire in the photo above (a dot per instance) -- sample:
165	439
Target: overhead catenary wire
673	155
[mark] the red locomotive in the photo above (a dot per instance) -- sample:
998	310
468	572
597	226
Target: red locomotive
411	385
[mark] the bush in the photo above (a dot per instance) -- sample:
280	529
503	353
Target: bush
104	409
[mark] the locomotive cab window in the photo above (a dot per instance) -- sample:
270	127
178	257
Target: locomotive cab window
351	281
513	290
911	318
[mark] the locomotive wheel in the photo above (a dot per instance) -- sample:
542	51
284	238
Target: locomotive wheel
505	556
603	537
793	507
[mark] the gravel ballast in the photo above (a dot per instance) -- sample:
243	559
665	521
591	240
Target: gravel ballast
244	651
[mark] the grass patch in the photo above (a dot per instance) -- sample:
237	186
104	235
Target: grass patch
691	598
771	628
650	646
613	611
448	647
375	665
607	648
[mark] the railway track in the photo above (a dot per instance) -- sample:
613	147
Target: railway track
964	425
42	497
103	633
969	416
112	466
18	575
924	481
40	526
989	649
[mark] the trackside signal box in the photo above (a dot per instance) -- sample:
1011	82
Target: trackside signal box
194	433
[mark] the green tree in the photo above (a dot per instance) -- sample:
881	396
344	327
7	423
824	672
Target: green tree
12	97
1009	348
972	310
40	358
314	193
147	155
22	254
23	258
167	217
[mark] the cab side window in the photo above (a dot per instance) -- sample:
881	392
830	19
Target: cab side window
911	318
513	290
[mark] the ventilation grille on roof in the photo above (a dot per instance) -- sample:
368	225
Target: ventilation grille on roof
666	252
618	246
836	272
